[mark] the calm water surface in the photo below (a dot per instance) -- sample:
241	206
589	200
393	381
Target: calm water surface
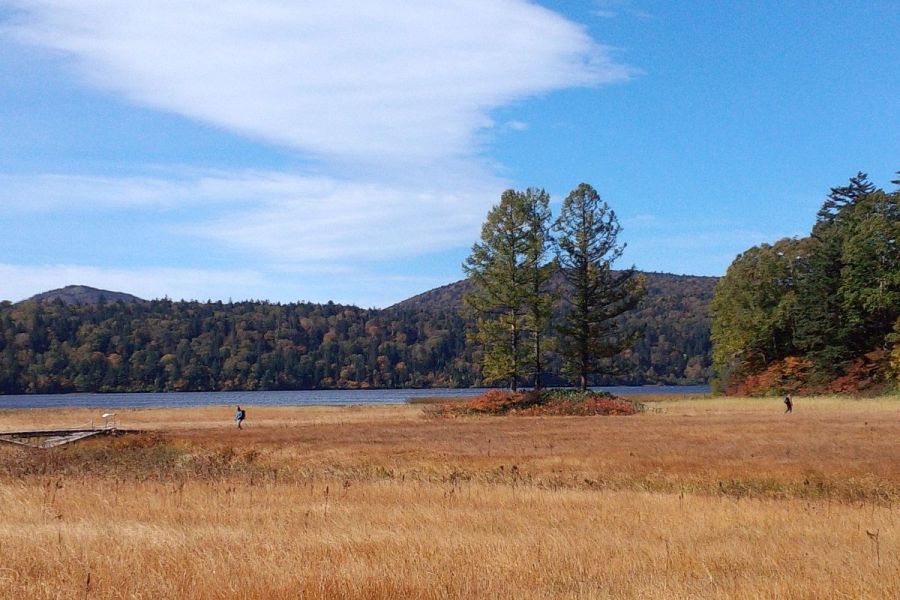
293	398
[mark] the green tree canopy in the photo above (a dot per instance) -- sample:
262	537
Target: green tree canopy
754	307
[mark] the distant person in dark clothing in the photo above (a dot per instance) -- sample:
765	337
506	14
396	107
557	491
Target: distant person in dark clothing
788	404
239	415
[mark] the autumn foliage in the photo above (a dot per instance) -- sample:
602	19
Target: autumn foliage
544	403
865	374
781	377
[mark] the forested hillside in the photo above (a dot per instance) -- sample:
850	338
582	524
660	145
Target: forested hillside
819	313
159	345
673	348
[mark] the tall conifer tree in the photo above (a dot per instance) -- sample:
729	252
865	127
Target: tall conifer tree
538	298
509	271
824	331
587	248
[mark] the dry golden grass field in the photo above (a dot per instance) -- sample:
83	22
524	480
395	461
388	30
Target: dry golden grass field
696	498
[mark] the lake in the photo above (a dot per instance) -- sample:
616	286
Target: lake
288	398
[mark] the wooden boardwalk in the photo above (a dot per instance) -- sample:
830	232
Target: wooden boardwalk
49	438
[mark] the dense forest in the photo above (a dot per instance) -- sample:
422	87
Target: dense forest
48	345
819	313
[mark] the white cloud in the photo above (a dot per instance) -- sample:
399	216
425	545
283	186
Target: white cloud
60	193
389	81
610	9
330	220
290	219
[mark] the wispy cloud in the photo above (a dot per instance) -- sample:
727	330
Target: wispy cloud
290	219
375	81
62	193
610	9
332	220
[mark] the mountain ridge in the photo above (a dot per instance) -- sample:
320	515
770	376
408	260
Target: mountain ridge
83	294
453	293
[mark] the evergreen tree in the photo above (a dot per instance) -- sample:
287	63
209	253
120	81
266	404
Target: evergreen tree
509	298
869	290
587	247
842	196
538	300
823	329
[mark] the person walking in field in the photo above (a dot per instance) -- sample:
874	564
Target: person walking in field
789	404
239	416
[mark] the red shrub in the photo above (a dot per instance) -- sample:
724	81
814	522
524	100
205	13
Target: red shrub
530	403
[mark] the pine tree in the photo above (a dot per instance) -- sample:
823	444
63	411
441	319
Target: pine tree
587	247
509	271
538	298
842	196
823	330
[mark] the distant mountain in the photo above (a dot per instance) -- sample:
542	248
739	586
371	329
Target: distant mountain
657	285
82	294
81	344
446	296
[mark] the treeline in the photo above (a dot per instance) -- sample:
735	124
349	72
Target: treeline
162	345
191	346
819	313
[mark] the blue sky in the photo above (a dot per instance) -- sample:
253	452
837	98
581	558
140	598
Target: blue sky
349	152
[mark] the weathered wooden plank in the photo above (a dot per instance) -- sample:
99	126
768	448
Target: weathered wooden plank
42	432
65	439
50	438
17	442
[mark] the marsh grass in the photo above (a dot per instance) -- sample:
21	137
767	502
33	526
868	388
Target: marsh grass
705	498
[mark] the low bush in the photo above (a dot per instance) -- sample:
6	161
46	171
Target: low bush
542	403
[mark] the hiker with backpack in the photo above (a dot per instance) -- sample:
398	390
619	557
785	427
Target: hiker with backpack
239	416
